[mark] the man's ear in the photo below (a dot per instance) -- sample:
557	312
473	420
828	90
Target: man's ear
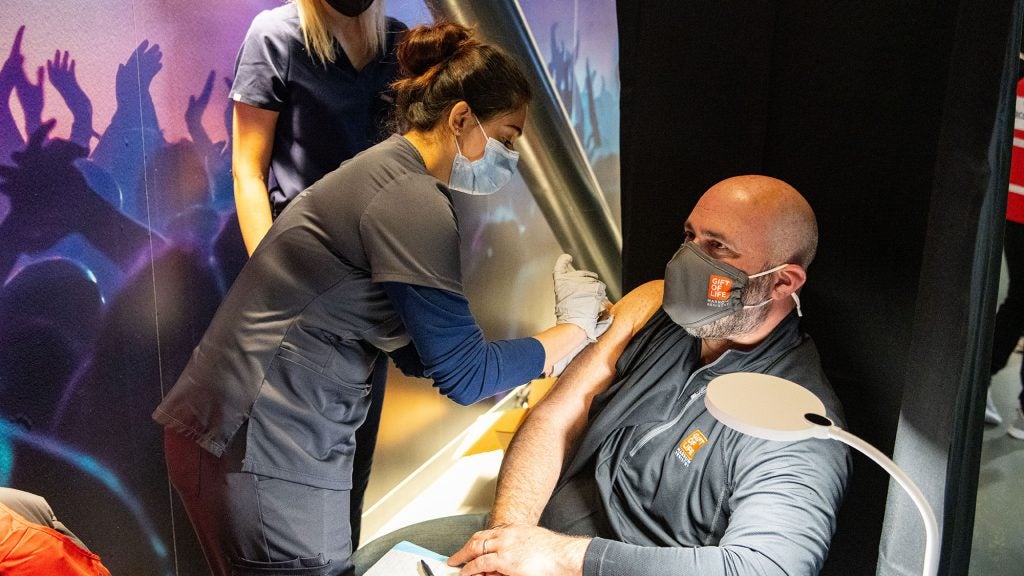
788	280
460	118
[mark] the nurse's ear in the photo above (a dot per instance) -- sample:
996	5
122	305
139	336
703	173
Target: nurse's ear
461	119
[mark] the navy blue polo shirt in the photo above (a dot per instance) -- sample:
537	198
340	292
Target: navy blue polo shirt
328	112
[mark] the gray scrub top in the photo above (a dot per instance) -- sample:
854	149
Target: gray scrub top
291	348
328	112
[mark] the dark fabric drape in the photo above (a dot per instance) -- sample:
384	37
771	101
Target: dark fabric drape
883	115
939	436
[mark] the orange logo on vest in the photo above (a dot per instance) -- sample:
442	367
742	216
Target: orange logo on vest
692	443
719	287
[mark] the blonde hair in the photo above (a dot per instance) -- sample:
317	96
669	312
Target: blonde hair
318	39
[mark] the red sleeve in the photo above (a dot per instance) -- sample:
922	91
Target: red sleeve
28	549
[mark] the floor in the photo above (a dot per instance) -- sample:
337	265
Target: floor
998	548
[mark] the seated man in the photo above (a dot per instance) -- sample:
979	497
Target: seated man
621	469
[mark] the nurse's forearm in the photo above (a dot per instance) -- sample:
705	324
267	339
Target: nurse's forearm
558	341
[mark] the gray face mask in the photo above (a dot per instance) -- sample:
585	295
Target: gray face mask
700	289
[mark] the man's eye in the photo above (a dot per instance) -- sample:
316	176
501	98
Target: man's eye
689	236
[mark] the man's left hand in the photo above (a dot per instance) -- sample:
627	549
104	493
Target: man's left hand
519	550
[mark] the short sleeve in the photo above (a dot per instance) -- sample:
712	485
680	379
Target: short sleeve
411	235
261	69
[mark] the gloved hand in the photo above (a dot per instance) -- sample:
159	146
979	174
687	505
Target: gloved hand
602	325
579	297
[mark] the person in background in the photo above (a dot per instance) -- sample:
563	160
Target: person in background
1010	318
311	91
33	541
260	427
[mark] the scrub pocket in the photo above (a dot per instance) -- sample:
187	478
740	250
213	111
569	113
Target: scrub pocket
303	424
298	567
291	528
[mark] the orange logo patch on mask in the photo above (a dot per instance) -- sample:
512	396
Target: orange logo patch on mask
689	446
719	288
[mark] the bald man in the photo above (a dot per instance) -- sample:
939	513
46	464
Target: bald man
621	469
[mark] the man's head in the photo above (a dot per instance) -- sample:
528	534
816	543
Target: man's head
754	224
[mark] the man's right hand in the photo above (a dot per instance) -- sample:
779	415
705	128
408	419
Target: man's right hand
519	550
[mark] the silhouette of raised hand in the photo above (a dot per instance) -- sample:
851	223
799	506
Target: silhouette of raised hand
13	68
138	71
134	129
219	165
194	115
31	97
61	71
132	88
10	74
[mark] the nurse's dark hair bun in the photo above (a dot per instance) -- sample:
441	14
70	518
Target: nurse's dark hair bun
427	46
443	64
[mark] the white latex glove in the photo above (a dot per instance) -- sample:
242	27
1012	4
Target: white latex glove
580	297
602	325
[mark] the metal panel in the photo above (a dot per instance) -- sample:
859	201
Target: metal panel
552	160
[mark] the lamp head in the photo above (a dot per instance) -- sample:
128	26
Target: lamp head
766	407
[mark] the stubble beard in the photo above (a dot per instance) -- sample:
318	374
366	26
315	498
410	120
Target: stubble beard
746	320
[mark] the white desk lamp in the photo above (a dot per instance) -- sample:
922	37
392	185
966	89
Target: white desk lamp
772	408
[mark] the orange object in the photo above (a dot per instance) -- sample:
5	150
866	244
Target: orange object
499	434
29	549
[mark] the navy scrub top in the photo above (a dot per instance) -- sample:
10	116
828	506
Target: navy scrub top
328	112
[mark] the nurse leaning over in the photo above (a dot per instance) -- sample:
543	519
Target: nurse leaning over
260	426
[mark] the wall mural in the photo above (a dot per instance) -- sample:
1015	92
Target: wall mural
118	237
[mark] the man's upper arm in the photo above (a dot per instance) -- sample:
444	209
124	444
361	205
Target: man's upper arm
593	370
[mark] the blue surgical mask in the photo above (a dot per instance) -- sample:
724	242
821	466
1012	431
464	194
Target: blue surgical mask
486	175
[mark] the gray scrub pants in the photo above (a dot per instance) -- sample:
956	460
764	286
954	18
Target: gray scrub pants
252	525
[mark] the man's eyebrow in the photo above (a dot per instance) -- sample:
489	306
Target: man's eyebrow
717	236
518	130
714	235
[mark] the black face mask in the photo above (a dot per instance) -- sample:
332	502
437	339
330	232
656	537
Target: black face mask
350	8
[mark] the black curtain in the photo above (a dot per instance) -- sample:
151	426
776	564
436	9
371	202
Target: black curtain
883	114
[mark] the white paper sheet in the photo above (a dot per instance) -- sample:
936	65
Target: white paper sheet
404	558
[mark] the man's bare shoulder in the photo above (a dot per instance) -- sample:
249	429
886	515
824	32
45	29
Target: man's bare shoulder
637	307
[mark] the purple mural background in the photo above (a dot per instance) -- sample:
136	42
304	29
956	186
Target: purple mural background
117	238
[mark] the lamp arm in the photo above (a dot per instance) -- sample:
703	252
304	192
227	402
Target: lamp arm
931	527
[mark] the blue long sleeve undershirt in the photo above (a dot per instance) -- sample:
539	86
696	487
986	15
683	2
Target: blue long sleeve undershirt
449	348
